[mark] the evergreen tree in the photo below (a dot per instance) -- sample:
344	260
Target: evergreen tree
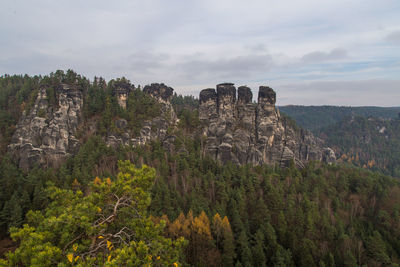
228	247
109	225
258	250
376	248
243	249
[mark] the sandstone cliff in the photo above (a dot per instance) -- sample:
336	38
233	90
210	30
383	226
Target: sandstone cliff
153	129
242	132
45	135
237	129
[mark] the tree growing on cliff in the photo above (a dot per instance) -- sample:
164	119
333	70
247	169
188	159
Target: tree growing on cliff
108	227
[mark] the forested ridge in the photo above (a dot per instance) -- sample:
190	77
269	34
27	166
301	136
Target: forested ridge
366	137
366	142
322	215
317	117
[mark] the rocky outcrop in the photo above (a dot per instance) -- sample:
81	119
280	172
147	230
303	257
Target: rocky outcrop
122	94
237	129
121	90
159	91
163	94
45	136
156	128
244	132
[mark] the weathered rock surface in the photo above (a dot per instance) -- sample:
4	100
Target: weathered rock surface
243	132
122	94
237	129
153	129
46	135
121	89
159	90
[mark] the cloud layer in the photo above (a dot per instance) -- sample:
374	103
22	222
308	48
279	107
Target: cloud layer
191	45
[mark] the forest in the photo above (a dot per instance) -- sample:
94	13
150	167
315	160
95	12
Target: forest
366	142
184	208
314	118
367	137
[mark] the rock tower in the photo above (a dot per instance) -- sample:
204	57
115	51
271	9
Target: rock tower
242	132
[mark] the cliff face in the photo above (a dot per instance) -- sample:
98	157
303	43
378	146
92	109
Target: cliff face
240	131
46	135
155	128
237	130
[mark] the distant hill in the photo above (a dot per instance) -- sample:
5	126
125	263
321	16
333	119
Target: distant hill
316	117
366	142
367	137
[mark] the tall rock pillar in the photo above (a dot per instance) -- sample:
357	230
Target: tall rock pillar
246	111
208	105
209	117
269	132
244	134
226	100
226	103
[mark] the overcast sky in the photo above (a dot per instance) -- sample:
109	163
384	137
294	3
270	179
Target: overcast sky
310	51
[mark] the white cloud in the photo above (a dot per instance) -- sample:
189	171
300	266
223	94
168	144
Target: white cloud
192	44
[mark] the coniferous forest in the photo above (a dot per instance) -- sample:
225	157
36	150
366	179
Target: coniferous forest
368	137
148	206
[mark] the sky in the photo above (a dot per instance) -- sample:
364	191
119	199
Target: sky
311	52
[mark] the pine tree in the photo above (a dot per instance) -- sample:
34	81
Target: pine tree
228	247
282	258
258	250
376	248
243	250
108	225
12	214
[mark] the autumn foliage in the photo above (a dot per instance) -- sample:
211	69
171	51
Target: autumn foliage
211	243
108	226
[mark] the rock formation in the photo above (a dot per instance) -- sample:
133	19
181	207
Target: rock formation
45	136
237	129
155	128
159	91
121	90
243	132
122	94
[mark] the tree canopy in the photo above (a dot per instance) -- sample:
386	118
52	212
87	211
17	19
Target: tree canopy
108	226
